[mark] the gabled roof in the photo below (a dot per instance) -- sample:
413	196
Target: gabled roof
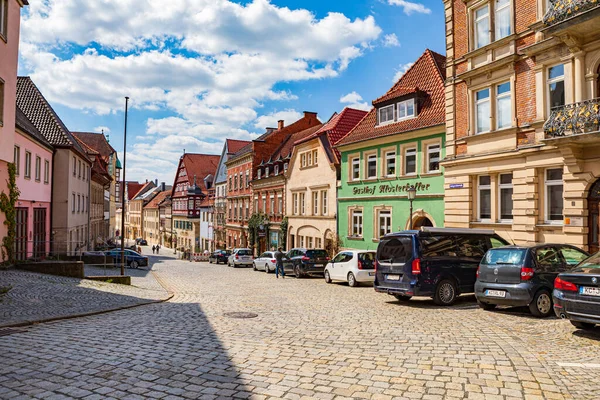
200	165
428	75
85	147
96	141
37	109
247	148
145	187
133	188
25	125
233	146
287	146
154	203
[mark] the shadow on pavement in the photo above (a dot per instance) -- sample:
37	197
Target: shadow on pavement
463	302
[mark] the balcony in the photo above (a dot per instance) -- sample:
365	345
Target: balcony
574	119
561	10
578	18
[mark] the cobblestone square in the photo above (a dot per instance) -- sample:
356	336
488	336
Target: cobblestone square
309	340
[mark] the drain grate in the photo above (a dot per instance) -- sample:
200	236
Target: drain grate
10	331
241	315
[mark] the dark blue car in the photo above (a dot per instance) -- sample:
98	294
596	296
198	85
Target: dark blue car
132	258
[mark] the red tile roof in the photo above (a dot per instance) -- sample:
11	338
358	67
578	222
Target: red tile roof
157	199
395	93
96	141
143	189
288	145
233	146
133	188
200	165
427	74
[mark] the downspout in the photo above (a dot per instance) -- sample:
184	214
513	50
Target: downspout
52	235
89	200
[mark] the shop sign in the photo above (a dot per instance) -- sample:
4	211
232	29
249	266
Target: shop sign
574	221
389	188
456	186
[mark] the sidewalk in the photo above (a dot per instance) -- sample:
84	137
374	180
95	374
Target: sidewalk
32	297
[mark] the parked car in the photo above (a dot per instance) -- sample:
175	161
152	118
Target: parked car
435	262
143	242
132	258
523	275
305	262
577	294
240	257
265	262
351	266
219	256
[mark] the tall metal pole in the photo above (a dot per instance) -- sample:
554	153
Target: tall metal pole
123	192
411	213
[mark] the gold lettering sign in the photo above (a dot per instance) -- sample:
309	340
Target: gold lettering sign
391	188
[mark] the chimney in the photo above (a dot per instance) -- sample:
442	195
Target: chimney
310	114
146	180
163	187
280	124
155	182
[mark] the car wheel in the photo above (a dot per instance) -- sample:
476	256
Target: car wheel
209	261
445	293
401	297
267	270
352	280
583	325
297	271
133	264
541	306
486	306
254	267
327	277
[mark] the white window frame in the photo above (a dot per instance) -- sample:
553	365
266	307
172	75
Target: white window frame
258	172
547	184
550	81
46	171
368	159
296	203
27	173
431	150
387	216
280	204
380	112
497	10
315	199
302	203
481	187
358	232
303	160
324	204
315	157
477	20
390	155
404	105
309	162
276	172
479	103
502	186
497	104
38	168
354	161
413	151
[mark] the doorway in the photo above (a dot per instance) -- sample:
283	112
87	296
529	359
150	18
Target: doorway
422	221
39	232
21	233
593	218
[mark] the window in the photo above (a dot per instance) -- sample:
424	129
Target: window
247	178
301	240
309	159
295	200
267	171
318	243
280	204
1	94
315	203
47	171
303	160
503	106
410	161
484	190
302	203
355	169
385	222
27	164
406	109
386	114
79	167
3	18
230	186
74	166
264	204
73	202
272	205
285	166
572	256
390	163
482	110
554	195
235	182
506	201
372	166
17	158
482	26
433	157
309	242
248	210
357	223
315	155
78	203
502	19
277	170
38	168
556	86
324	202
258	174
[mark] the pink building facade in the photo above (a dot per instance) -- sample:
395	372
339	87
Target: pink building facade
10	20
33	162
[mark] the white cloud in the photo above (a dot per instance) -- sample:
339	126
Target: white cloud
270	120
391	40
402	68
410	7
355	100
209	64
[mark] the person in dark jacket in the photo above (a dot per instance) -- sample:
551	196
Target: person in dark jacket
279	263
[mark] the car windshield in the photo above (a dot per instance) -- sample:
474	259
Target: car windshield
366	258
504	257
395	250
244	252
592	262
316	253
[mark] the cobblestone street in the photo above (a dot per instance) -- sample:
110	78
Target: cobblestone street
309	340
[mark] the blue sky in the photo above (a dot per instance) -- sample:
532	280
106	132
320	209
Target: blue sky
199	71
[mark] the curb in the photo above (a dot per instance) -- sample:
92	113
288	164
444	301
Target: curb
170	295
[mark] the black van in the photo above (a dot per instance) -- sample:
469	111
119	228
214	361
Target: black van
434	262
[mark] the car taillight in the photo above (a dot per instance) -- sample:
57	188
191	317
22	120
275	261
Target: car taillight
360	264
375	264
477	273
237	257
304	258
416	266
327	258
564	285
526	273
273	261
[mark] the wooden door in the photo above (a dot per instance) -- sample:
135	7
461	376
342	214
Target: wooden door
39	232
21	234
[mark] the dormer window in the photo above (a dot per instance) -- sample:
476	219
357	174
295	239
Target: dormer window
266	172
258	174
277	170
285	166
406	109
386	114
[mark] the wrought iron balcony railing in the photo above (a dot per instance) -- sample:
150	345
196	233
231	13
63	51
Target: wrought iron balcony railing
574	118
560	10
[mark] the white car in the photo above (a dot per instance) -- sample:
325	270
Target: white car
265	262
352	266
240	257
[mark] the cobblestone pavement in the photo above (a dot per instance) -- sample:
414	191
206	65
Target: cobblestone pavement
309	340
34	297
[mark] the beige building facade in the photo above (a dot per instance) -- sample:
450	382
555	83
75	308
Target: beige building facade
522	121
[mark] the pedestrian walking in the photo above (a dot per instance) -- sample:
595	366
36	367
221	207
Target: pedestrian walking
157	248
153	249
279	264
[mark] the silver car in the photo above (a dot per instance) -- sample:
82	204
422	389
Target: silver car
265	262
240	258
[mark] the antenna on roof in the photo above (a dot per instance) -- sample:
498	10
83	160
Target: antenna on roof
183	151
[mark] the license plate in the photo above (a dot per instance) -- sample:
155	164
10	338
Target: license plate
495	293
590	291
371	273
319	265
393	277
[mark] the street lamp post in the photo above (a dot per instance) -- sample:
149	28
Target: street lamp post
123	192
412	193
